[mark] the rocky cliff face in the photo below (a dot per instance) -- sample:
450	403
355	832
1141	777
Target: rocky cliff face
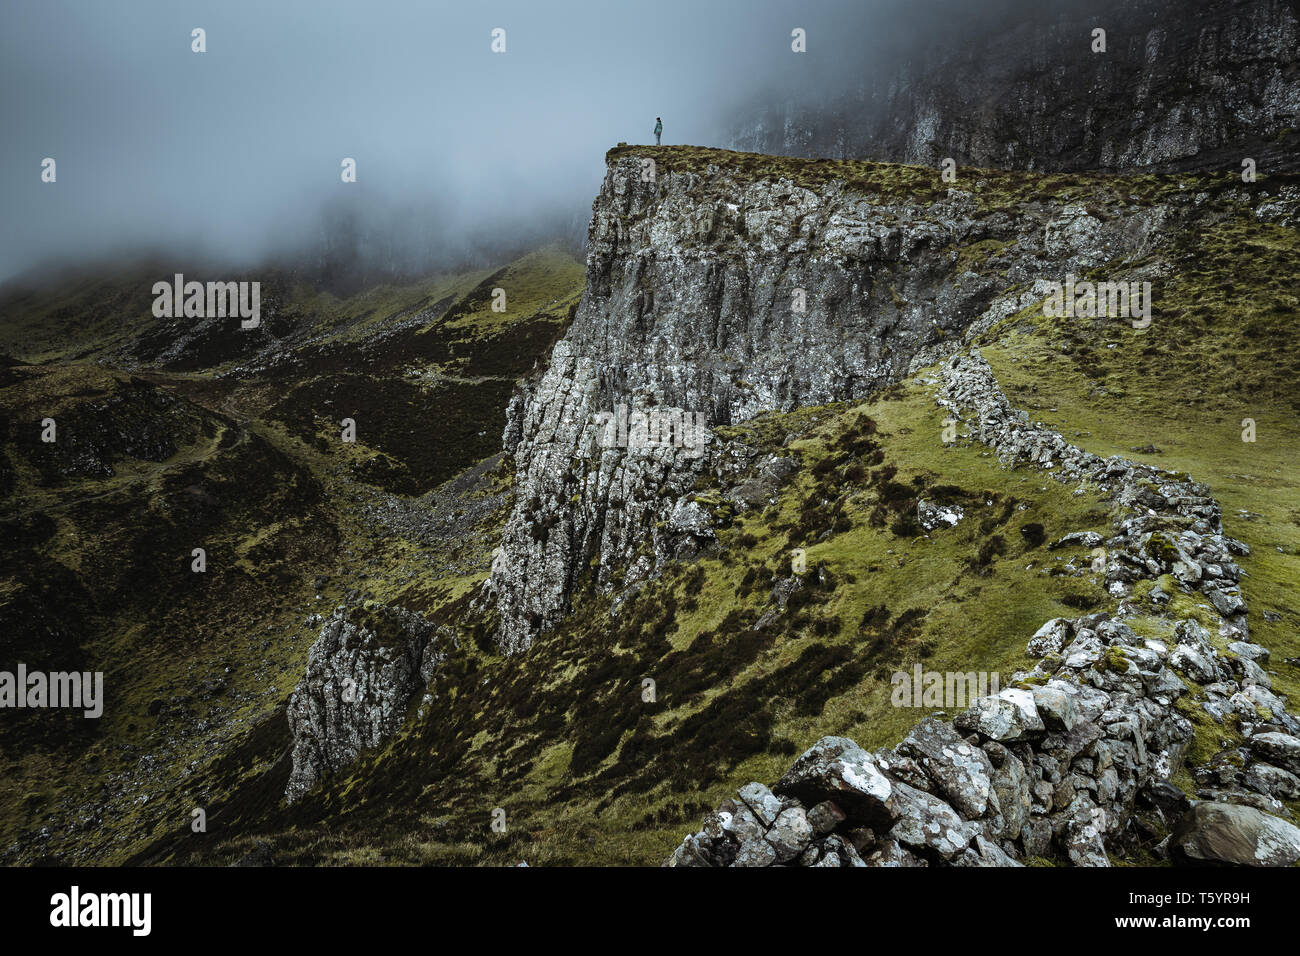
1182	85
719	290
362	673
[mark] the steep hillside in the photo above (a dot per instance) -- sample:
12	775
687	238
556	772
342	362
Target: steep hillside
770	583
234	445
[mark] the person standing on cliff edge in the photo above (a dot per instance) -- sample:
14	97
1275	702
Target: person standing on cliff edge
659	128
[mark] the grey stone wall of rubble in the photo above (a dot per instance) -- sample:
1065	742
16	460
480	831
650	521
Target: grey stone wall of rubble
1075	758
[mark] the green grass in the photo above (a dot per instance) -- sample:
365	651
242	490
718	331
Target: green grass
992	189
1219	350
589	773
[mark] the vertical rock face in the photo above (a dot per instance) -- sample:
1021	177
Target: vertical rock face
362	672
1183	84
722	294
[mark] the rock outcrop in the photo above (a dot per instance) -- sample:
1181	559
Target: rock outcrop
362	674
1078	751
1182	84
716	295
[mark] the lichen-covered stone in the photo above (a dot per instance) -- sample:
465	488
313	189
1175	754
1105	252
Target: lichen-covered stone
362	672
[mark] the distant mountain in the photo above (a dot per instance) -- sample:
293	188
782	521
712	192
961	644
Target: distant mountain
1182	85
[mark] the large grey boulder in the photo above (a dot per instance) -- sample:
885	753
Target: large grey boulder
1084	832
1055	704
1281	750
1006	717
961	772
790	834
1226	833
837	769
1011	788
927	823
1273	781
1050	638
764	804
755	852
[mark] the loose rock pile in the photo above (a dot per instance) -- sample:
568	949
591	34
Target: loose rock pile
1076	756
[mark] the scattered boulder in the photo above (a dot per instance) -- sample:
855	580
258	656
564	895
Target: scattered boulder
1055	704
1082	539
790	834
1050	638
1008	716
930	515
761	801
1282	750
1273	781
755	852
927	823
837	769
1225	833
961	772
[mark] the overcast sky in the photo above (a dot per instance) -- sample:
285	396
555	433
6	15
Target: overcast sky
238	148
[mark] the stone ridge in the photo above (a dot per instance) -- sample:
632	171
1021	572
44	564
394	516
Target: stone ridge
690	304
1075	758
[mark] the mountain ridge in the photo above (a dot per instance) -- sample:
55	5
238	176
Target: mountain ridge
1181	87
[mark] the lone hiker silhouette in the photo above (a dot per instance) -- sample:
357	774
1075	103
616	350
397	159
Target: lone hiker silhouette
659	128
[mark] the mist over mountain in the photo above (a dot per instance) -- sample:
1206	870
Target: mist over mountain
1111	85
235	153
894	467
233	156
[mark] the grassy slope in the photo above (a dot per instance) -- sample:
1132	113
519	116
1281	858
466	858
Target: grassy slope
103	565
1220	349
289	532
589	773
